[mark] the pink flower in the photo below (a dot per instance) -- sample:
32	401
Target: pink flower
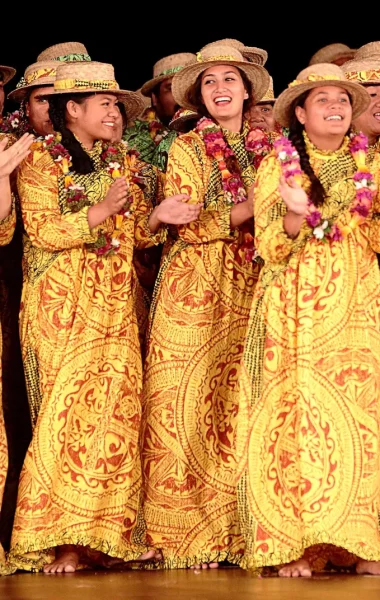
314	219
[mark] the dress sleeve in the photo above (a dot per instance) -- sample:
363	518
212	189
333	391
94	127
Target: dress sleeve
45	225
271	239
185	175
7	226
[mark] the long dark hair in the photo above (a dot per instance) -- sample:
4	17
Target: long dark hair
82	163
194	95
317	192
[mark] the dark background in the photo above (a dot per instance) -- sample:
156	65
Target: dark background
132	38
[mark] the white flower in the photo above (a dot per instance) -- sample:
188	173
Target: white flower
75	186
295	154
115	243
282	155
114	165
15	123
319	232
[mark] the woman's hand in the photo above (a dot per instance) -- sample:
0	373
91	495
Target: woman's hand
297	204
13	156
174	211
294	197
111	205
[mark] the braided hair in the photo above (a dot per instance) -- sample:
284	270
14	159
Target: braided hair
317	192
82	163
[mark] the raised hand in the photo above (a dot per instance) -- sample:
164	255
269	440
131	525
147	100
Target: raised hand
10	158
294	197
116	196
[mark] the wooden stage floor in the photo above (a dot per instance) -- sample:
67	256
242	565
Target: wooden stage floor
222	584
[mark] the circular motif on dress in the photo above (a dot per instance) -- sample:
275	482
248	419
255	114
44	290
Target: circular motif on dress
305	461
207	407
86	440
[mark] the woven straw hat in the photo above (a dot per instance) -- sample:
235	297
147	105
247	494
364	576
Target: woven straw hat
269	95
43	71
364	71
332	52
317	76
371	50
8	73
165	68
250	53
82	77
213	55
182	116
39	74
66	52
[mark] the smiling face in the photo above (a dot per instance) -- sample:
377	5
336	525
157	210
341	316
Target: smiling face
326	113
223	92
369	121
94	119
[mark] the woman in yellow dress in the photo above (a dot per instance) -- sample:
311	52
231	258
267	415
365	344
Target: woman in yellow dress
310	382
199	316
83	211
9	159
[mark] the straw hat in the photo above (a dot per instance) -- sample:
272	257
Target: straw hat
250	53
43	71
316	76
166	68
332	52
39	74
269	95
66	52
82	77
213	55
182	116
371	50
366	72
8	73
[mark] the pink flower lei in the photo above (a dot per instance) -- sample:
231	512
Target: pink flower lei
76	198
324	229
257	145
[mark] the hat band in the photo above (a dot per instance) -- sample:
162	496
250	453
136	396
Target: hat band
228	57
268	96
170	71
76	84
73	58
39	74
364	76
313	77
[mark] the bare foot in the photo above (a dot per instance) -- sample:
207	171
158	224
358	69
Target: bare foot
205	566
298	568
368	567
67	560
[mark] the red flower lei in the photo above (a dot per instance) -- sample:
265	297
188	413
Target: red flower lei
76	198
257	145
365	186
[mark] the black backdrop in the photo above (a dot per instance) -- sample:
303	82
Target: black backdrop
132	38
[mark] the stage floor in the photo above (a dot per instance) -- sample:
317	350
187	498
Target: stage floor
222	584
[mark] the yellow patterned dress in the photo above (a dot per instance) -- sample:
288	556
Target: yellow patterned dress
310	386
7	228
191	383
81	478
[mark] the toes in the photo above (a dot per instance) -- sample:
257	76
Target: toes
214	565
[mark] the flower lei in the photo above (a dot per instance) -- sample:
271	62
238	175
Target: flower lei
76	197
257	145
16	123
157	130
324	229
